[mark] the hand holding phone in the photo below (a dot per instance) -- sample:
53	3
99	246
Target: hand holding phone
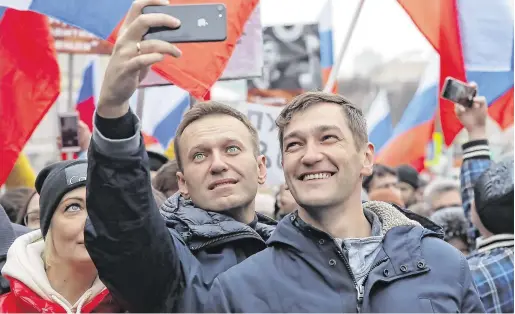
199	23
458	92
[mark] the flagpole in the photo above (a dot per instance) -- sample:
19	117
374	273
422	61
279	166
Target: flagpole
140	103
334	71
70	82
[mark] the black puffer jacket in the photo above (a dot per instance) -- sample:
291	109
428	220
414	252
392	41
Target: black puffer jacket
216	240
146	263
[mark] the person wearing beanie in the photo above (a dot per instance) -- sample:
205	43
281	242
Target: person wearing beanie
156	161
49	270
408	184
492	214
487	200
454	225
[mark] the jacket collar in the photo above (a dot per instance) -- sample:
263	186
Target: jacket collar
493	242
24	268
197	226
402	230
102	301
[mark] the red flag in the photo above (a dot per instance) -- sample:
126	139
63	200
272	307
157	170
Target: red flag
451	64
426	16
201	64
502	110
29	81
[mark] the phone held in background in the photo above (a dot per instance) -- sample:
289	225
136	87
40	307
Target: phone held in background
69	127
458	92
199	23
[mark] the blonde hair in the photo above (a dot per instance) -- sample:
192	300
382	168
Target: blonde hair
46	255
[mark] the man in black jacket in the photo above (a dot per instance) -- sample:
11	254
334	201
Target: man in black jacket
212	224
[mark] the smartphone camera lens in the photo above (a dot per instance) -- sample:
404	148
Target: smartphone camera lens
220	8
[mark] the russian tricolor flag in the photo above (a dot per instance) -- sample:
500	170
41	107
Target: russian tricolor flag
163	108
201	63
325	29
88	94
411	135
475	41
29	80
379	121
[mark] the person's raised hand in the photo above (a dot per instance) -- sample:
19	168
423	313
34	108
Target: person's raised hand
132	57
474	118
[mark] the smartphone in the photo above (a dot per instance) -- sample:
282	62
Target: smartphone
458	92
69	127
199	23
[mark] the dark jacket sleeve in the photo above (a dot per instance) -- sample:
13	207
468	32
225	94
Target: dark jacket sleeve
471	302
137	258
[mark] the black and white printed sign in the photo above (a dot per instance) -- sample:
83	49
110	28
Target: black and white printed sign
263	118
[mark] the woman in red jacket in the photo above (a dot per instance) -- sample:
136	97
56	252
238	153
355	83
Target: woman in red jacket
50	270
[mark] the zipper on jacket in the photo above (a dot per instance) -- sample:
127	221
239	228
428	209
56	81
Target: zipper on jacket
223	238
349	269
361	288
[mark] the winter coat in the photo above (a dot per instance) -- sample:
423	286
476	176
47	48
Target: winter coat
149	263
304	270
31	291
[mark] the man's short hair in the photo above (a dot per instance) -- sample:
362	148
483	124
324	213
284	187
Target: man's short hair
166	177
379	171
439	186
354	116
208	108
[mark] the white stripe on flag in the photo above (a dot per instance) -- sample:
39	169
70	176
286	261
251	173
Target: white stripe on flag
21	5
378	111
326	18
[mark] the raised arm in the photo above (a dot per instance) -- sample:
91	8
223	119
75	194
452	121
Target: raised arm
136	256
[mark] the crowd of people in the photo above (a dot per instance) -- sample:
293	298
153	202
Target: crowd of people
122	229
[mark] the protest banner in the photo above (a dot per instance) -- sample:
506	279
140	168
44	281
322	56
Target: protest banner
263	118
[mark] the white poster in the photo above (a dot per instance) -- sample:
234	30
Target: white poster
247	58
263	118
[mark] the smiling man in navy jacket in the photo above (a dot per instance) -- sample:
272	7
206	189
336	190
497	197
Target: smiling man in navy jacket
335	254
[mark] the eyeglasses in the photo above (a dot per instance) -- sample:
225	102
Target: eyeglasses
31	219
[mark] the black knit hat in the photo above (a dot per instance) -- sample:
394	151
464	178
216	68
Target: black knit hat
53	182
156	160
493	195
409	175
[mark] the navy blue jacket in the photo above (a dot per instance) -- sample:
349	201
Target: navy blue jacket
304	270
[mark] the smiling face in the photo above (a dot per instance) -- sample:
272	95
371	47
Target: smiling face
220	170
66	232
322	164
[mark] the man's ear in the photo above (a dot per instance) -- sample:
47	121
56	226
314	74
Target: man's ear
183	189
261	164
368	160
